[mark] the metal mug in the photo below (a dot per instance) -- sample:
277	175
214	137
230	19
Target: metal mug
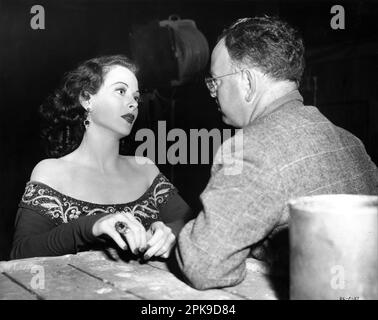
334	247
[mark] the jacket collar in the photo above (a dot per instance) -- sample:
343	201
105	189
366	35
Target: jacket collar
289	97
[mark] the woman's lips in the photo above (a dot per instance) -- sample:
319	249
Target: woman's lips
129	117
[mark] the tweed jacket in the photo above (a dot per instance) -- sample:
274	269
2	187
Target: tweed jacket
290	151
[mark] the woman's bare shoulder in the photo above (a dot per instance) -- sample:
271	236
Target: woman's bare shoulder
47	171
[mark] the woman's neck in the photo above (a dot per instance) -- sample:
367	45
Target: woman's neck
99	150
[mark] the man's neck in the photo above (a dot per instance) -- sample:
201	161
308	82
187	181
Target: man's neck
264	103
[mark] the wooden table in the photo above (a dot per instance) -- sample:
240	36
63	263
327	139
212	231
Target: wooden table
93	275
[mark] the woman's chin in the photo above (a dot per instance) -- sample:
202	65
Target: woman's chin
126	131
124	134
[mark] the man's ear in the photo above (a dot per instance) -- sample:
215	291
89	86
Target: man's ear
85	99
249	79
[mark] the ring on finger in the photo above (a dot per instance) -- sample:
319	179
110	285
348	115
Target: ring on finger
122	227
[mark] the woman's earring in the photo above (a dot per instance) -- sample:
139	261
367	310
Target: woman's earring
87	118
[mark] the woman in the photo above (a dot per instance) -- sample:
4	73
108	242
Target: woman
75	200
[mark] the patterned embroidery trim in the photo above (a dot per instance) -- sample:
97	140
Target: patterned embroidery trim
59	206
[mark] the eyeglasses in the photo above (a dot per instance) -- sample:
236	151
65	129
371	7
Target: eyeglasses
212	82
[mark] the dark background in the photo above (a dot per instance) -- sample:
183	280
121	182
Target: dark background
340	77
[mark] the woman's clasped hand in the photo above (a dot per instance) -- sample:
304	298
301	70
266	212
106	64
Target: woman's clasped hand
157	241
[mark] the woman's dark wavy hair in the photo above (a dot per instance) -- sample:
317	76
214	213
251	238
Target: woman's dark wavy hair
267	43
63	115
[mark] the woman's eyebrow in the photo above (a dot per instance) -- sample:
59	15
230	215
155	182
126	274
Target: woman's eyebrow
120	82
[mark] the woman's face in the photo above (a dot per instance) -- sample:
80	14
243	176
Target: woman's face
115	105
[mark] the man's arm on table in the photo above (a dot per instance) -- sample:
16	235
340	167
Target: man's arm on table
238	211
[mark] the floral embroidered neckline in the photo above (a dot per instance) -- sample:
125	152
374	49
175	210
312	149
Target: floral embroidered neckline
61	208
146	194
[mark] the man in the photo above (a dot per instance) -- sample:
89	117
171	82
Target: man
289	150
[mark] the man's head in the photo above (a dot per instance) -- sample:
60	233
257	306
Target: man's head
255	61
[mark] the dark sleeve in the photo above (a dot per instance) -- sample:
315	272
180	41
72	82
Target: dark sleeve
37	235
175	212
